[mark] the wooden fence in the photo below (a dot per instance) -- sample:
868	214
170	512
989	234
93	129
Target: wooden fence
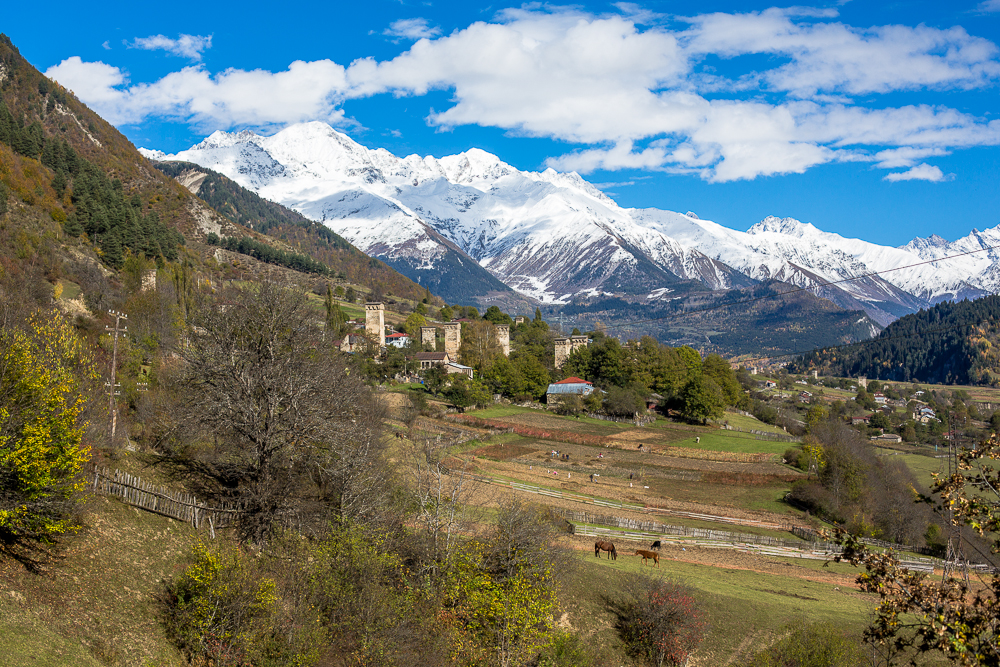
159	500
761	435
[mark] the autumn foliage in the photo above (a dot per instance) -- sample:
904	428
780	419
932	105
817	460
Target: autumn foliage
42	366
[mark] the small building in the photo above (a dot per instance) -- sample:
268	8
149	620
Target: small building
857	421
770	384
520	319
397	340
571	386
429	359
452	367
805	397
887	438
880	398
350	343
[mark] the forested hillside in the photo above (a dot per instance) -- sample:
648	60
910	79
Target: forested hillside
771	318
951	343
304	237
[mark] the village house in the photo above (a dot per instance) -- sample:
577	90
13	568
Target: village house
430	359
770	384
400	340
886	438
925	415
856	421
805	397
879	398
571	386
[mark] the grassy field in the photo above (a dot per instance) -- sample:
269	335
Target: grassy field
728	441
743	607
921	466
745	422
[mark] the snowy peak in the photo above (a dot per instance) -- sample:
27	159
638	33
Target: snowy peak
784	226
474	165
552	235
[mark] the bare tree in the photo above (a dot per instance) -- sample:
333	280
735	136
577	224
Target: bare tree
440	493
273	419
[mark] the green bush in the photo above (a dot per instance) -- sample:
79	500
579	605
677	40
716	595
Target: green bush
818	645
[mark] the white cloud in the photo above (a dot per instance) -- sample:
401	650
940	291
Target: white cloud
412	29
305	91
836	58
921	172
629	96
106	45
187	46
989	6
905	157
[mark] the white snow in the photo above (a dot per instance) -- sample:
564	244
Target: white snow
551	235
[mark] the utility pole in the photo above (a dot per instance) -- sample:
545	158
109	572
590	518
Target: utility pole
113	387
955	556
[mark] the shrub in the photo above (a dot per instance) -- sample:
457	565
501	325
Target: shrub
659	621
41	430
225	610
818	645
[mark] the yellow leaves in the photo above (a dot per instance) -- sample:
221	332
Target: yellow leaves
40	429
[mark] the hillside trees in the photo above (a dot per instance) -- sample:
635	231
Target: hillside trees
275	420
946	616
44	369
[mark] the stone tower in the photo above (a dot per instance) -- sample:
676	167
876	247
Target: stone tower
375	321
576	342
503	337
428	336
452	339
863	382
563	348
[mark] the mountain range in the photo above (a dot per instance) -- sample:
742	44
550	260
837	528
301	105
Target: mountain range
471	227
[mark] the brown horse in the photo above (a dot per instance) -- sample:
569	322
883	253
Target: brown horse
601	545
646	555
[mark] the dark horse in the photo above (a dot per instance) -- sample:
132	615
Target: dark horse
655	545
601	545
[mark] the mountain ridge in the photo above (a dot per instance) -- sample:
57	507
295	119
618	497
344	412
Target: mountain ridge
555	237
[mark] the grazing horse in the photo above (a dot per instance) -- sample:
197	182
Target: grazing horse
646	555
655	545
601	545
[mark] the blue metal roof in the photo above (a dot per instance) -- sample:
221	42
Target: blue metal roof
582	389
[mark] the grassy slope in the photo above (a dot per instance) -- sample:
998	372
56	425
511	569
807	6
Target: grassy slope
739	604
97	602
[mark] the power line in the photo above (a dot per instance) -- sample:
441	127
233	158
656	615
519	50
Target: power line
795	290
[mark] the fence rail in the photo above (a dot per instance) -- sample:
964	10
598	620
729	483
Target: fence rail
159	500
761	435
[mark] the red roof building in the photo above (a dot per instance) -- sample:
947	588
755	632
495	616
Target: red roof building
573	380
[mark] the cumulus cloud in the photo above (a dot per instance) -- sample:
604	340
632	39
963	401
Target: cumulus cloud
627	88
836	58
921	172
257	98
186	46
412	29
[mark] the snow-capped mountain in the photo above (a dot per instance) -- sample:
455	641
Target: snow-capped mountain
469	224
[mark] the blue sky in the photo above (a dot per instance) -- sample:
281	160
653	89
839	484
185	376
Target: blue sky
872	120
